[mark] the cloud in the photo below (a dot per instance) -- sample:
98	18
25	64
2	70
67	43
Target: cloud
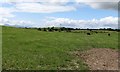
37	0
34	7
101	4
16	23
42	8
61	0
52	6
97	0
106	22
6	12
104	5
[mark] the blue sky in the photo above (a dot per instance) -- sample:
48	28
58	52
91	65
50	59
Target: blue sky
81	13
66	13
85	12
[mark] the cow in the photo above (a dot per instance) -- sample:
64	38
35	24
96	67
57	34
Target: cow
96	32
88	34
108	34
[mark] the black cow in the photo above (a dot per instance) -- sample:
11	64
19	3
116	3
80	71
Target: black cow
88	34
96	32
109	34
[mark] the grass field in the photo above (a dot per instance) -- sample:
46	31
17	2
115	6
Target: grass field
37	50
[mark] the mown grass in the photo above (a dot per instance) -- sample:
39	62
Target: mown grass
37	50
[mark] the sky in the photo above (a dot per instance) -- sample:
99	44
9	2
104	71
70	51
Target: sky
65	13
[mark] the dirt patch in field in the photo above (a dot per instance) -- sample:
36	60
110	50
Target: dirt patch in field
100	58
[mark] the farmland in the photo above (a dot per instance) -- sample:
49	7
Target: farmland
30	49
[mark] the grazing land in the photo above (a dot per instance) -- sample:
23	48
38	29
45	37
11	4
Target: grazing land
30	49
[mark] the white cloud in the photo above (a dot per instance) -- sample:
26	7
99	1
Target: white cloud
42	8
110	21
51	6
37	0
18	23
107	22
6	12
61	0
34	7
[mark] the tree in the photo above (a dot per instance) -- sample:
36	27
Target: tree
39	29
44	29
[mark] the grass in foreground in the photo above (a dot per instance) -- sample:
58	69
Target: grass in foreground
37	50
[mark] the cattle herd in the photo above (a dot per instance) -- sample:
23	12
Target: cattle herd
77	30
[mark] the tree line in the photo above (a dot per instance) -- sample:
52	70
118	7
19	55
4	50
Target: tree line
52	29
60	29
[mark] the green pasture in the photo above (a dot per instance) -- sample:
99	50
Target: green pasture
30	49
